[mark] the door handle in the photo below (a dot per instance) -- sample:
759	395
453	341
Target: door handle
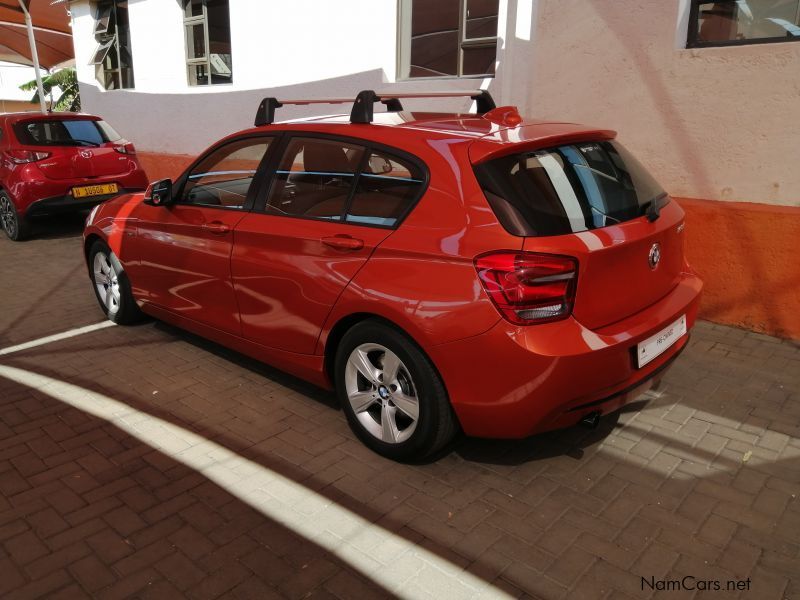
343	242
216	227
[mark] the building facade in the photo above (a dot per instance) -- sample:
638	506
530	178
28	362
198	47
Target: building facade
13	99
707	93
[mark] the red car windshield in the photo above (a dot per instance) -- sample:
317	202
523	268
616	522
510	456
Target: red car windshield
66	132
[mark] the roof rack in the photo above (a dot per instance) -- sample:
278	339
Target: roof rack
364	103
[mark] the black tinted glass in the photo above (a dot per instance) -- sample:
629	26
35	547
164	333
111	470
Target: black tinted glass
315	179
725	21
71	132
224	177
568	189
435	38
386	188
481	18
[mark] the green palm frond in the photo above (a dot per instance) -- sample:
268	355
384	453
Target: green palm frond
67	81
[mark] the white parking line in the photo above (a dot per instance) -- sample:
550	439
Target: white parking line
57	337
389	560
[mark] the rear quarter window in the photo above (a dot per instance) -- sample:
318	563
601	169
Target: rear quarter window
568	189
387	187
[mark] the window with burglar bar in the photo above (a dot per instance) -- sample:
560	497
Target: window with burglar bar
447	38
208	42
736	22
113	59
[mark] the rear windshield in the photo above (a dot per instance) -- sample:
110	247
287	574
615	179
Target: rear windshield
568	189
72	132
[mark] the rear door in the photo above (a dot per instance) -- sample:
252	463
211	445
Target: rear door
592	200
183	250
331	203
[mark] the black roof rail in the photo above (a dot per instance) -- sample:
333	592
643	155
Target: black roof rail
364	104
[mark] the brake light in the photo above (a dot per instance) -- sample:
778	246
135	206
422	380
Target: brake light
126	148
21	157
527	287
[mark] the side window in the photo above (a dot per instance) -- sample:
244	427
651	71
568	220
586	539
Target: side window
386	188
224	177
315	179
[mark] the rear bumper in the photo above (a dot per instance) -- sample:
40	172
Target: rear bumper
67	204
512	382
33	194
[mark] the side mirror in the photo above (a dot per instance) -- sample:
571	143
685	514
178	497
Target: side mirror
159	193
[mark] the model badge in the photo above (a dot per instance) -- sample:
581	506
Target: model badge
86	153
655	255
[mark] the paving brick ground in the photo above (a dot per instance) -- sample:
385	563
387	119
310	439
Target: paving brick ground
703	480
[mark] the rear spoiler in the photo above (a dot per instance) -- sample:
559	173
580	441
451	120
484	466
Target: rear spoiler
528	138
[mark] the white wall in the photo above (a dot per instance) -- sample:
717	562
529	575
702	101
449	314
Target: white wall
711	123
311	48
11	77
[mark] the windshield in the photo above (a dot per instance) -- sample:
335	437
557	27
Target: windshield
568	189
67	132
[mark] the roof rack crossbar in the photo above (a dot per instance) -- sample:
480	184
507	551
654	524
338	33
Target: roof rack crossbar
363	107
266	110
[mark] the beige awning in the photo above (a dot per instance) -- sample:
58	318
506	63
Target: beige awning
51	29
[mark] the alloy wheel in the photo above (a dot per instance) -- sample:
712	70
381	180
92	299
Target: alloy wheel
106	280
8	217
381	393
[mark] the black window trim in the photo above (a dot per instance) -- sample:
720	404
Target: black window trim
261	175
369	146
693	32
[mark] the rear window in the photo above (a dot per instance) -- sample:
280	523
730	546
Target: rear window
72	132
571	188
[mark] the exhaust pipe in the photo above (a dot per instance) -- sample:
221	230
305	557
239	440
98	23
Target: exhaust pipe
590	421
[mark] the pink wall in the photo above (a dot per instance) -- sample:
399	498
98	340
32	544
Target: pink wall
713	123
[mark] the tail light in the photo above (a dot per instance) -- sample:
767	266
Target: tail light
126	148
529	288
21	157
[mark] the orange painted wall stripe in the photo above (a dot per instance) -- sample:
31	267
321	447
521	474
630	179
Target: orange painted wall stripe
747	254
749	258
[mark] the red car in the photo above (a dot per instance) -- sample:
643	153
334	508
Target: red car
60	162
478	272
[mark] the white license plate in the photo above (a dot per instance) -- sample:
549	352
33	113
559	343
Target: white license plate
656	345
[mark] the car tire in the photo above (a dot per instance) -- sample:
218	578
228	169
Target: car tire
111	286
15	226
406	417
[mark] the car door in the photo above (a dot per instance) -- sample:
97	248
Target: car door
294	255
184	248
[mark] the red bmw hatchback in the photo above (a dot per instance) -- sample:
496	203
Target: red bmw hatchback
441	271
60	162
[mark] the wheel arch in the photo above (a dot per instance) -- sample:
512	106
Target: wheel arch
347	322
88	243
